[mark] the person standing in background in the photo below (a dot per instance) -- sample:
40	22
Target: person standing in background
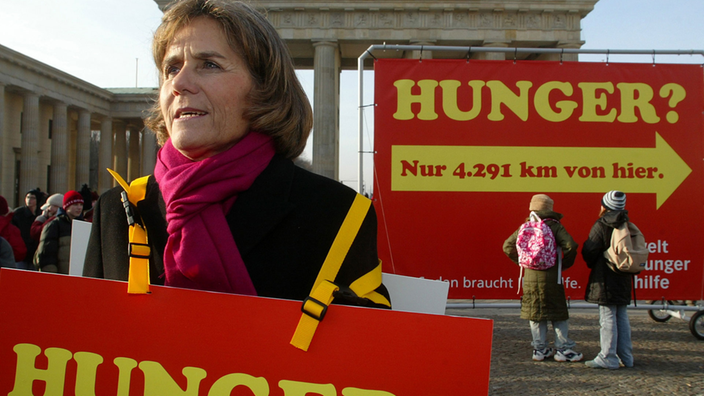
23	218
54	251
543	298
11	233
49	210
610	290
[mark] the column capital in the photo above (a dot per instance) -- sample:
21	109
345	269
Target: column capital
570	44
325	42
29	94
495	43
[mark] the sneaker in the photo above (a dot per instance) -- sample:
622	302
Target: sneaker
568	355
540	354
593	364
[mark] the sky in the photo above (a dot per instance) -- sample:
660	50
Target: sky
107	43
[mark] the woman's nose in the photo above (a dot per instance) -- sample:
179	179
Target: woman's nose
185	81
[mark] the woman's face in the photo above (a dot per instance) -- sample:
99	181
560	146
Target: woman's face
204	91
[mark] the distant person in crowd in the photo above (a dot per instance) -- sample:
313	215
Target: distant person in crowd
543	298
227	210
7	257
54	251
612	291
41	196
90	197
11	233
49	210
23	218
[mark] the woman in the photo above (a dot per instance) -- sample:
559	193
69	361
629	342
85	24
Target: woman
610	290
226	209
543	297
54	250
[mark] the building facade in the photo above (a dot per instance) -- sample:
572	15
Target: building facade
58	132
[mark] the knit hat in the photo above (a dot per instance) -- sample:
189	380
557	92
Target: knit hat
614	200
541	202
72	197
3	206
55	199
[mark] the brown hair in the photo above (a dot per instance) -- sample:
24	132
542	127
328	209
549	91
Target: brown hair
278	106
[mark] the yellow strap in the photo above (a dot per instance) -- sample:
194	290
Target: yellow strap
323	288
314	308
366	285
343	241
138	278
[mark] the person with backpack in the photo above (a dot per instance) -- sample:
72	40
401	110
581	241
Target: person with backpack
611	290
544	248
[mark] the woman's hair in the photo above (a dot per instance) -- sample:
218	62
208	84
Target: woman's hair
278	106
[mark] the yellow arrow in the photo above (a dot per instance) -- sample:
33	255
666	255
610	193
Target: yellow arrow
656	170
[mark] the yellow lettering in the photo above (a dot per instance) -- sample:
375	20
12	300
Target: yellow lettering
125	367
676	94
364	392
295	388
542	101
590	101
224	385
26	372
86	372
405	99
157	382
449	100
637	95
500	93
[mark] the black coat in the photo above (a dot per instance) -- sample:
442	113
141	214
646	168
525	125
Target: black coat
283	225
605	287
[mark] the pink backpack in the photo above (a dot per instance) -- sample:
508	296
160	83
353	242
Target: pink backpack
536	244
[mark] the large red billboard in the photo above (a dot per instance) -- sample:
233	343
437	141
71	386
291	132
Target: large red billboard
461	146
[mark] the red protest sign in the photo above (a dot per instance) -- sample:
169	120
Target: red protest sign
70	335
462	146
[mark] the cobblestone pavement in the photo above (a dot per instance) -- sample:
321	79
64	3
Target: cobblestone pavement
668	358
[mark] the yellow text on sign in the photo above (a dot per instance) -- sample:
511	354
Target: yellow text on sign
657	170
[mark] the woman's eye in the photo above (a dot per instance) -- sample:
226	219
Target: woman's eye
170	70
210	65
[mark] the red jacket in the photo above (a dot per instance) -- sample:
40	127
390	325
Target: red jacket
12	234
36	230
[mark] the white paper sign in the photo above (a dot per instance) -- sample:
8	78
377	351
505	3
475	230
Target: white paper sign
416	294
80	233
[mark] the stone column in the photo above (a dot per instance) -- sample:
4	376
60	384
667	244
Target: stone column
59	149
105	180
326	115
29	167
133	159
83	149
494	55
120	150
149	149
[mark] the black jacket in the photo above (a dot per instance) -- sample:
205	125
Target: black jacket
54	251
605	287
283	225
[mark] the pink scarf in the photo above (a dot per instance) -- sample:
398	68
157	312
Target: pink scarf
200	252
